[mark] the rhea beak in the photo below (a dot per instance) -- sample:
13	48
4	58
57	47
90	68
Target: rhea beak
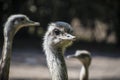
32	23
71	56
68	37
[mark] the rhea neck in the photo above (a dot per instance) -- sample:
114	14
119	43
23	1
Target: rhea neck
6	56
56	62
84	71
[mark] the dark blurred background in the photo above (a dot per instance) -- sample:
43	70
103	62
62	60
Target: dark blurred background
95	23
98	20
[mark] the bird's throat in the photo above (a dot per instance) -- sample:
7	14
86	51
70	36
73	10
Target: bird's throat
56	64
84	73
5	60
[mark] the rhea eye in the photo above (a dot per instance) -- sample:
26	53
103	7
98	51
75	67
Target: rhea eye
57	32
22	19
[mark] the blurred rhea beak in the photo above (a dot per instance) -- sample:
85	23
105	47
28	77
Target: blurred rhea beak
71	56
32	23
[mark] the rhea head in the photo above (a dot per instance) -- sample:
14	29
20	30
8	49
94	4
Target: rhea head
83	56
15	22
58	35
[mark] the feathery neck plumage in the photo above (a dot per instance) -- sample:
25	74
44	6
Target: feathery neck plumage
6	58
55	61
84	72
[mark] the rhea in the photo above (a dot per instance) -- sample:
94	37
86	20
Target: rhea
57	38
12	25
84	57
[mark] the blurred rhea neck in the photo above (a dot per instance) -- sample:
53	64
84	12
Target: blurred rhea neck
84	72
6	57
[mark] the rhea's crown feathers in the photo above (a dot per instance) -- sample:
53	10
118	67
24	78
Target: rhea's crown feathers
79	52
12	17
61	24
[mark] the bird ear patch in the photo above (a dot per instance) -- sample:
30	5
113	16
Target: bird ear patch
16	22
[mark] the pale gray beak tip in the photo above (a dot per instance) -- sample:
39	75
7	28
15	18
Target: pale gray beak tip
70	56
37	23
